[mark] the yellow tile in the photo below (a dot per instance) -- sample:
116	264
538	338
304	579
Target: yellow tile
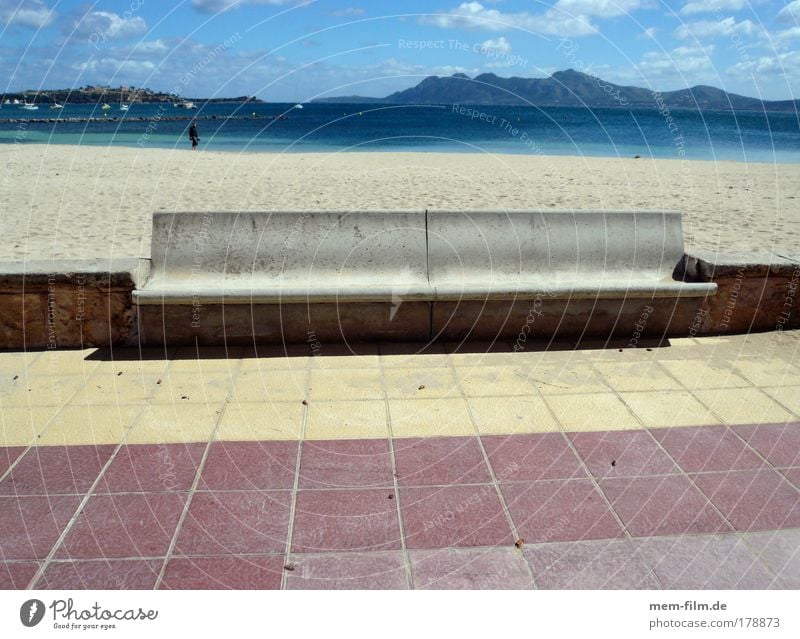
17	363
347	420
508	415
261	421
206	360
789	396
744	406
669	408
192	388
430	418
40	390
771	372
405	383
412	355
591	412
109	387
345	384
636	376
700	373
494	381
335	356
20	426
565	378
64	363
270	386
275	357
167	423
75	425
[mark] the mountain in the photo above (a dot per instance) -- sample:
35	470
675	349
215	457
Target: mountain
563	88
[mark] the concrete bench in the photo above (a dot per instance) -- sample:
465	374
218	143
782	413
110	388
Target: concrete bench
277	276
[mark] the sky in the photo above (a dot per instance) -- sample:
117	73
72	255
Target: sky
297	50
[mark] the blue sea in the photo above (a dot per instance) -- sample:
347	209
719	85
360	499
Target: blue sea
679	134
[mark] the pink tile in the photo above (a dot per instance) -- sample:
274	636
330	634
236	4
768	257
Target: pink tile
470	569
753	499
127	525
29	526
115	574
224	573
152	468
56	470
328	520
8	455
236	522
780	551
707	448
793	475
383	570
357	463
250	466
625	453
778	443
545	511
454	516
703	562
532	457
17	575
609	564
668	505
440	461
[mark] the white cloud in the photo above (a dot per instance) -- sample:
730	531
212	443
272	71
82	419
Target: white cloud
110	26
501	45
598	8
349	12
473	15
790	13
32	13
711	6
785	65
715	28
658	66
216	6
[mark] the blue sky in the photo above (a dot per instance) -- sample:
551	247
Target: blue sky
293	50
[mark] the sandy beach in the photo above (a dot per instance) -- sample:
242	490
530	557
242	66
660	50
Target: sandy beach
85	202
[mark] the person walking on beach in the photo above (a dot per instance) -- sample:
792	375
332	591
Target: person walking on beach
193	135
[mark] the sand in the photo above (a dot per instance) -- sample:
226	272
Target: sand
87	202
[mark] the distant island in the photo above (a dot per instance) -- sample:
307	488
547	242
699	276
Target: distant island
568	88
100	94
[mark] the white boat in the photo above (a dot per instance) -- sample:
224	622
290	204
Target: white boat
298	106
105	106
56	105
186	104
30	106
124	107
15	101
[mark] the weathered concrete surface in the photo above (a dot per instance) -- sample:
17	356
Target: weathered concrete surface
757	292
72	303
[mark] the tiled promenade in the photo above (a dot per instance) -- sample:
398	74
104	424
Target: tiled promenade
664	466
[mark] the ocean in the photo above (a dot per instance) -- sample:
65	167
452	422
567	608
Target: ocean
605	132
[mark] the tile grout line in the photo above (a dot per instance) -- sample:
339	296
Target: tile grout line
287	554
85	500
193	488
395	480
495	484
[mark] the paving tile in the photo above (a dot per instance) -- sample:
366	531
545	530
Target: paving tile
430	418
778	443
111	387
76	425
707	448
187	387
20	426
268	465
174	424
470	569
659	409
788	396
780	551
330	520
348	571
8	455
532	457
223	573
261	421
345	383
114	574
570	377
417	383
608	564
17	575
56	470
493	381
454	516
355	463
744	406
209	359
226	523
507	415
591	412
545	511
664	505
127	525
347	420
271	386
350	355
264	357
29	526
622	454
703	562
753	499
40	390
636	376
152	468
770	372
793	475
695	373
437	461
